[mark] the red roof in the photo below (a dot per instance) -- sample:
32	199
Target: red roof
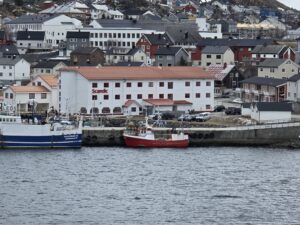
130	102
166	102
139	73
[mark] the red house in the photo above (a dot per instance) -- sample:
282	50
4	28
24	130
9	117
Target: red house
151	42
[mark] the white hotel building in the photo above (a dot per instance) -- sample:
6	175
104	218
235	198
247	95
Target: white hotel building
130	90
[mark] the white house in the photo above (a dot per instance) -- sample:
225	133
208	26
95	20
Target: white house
42	91
103	11
217	55
271	112
31	40
107	89
55	27
16	69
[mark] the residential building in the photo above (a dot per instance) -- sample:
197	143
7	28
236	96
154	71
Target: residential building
171	56
262	89
55	27
76	39
87	56
293	88
104	12
106	90
277	68
14	70
31	41
47	67
42	91
9	51
217	55
261	52
115	55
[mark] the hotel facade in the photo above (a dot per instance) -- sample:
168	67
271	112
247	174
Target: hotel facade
132	90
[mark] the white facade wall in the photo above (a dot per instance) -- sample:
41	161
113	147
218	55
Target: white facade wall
285	70
272	116
76	92
19	71
227	57
119	37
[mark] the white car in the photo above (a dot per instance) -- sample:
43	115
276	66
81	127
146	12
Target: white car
203	116
237	100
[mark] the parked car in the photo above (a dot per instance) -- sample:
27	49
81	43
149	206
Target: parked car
233	111
187	117
219	108
203	117
237	100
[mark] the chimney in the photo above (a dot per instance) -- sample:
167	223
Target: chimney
186	35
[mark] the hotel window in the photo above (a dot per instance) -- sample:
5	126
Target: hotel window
10	74
150	96
207	95
128	96
109	35
124	35
117	85
128	84
105	35
94	97
128	35
198	83
198	95
139	96
94	85
105	97
187	83
150	84
161	96
114	35
187	95
137	35
92	35
161	84
119	35
207	106
208	83
140	84
106	85
117	97
31	96
170	96
96	35
170	85
43	95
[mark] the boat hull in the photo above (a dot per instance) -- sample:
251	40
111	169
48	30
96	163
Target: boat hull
45	141
136	142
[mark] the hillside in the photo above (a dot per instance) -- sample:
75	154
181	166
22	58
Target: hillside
260	3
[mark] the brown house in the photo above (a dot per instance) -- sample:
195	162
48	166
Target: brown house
87	56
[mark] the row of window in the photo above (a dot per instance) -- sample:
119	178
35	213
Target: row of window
115	35
217	56
8	67
272	70
31	95
150	96
112	43
170	85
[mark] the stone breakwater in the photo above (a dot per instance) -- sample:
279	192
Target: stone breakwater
273	135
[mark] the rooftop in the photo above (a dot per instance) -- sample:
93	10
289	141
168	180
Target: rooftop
78	34
31	35
27	89
264	81
273	106
215	49
272	63
140	73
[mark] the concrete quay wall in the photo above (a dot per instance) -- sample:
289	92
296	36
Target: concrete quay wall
280	135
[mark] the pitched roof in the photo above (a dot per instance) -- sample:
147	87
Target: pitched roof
264	81
233	42
268	49
168	50
80	34
273	106
29	89
49	64
133	51
182	102
85	50
215	49
219	71
31	35
159	102
8	61
158	39
272	63
294	78
36	57
140	73
26	19
130	102
183	34
9	50
51	80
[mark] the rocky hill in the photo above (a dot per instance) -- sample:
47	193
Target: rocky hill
261	3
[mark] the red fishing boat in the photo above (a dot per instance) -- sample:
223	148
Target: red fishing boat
144	137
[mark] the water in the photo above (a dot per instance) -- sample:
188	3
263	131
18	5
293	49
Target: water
159	186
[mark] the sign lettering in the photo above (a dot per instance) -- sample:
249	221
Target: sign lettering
99	91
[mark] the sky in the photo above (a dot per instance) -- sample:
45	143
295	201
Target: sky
291	3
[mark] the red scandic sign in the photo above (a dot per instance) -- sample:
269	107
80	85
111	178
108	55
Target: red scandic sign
98	91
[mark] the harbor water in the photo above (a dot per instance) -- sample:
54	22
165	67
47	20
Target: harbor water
157	186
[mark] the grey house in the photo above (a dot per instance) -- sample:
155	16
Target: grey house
77	39
171	56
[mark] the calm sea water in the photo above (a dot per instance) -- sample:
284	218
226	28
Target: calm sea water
158	186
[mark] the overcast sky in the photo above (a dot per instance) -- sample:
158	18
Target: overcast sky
291	3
